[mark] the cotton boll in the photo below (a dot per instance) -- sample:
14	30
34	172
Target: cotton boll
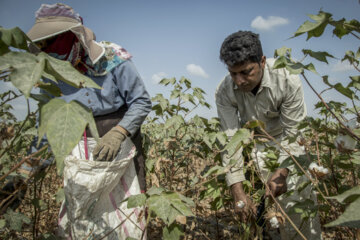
345	143
240	204
274	222
318	171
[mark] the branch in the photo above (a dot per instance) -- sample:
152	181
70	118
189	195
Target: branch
22	161
297	164
276	202
348	130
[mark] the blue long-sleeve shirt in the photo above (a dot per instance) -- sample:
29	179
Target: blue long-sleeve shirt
122	86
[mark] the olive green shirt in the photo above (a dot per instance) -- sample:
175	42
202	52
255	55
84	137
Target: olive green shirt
279	103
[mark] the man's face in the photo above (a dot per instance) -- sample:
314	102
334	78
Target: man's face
248	75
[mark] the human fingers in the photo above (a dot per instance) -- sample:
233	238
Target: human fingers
103	154
97	150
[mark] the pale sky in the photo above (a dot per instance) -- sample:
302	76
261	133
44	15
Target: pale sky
183	38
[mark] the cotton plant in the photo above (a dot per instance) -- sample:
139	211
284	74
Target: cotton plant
344	142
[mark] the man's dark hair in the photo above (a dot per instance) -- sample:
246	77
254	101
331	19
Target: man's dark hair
241	47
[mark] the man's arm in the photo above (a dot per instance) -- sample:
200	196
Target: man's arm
229	121
292	111
137	99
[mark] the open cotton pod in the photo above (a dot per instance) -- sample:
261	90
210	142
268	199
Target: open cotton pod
274	218
345	143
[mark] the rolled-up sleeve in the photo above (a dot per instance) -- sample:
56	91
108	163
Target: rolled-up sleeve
137	99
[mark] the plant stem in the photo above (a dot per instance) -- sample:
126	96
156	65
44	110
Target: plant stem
297	163
350	132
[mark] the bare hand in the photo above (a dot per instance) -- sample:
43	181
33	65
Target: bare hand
277	183
242	203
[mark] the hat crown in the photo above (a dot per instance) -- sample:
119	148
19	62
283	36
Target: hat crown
57	10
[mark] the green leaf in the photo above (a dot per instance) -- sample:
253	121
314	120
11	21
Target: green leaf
174	122
355	192
175	93
173	232
355	82
26	69
284	51
295	68
155	191
310	67
340	88
280	62
255	124
50	88
2	223
355	158
13	37
240	138
221	137
350	217
321	56
215	169
186	81
160	205
340	29
60	195
64	71
130	238
351	57
16	220
136	200
314	29
64	123
167	81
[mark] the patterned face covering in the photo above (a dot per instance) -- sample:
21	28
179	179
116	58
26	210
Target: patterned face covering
65	46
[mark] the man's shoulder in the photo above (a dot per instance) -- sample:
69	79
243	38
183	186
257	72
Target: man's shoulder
225	85
281	76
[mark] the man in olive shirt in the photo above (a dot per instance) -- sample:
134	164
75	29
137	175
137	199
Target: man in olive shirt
253	90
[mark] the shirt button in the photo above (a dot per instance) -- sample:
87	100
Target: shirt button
89	101
87	94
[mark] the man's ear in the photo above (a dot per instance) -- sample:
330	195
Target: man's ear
262	62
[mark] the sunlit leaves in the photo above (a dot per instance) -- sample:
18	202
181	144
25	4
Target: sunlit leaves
168	206
63	123
136	200
241	137
351	215
320	56
172	232
346	91
316	28
351	57
13	37
64	71
26	69
16	220
282	52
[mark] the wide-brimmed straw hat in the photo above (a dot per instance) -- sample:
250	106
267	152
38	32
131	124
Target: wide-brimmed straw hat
54	19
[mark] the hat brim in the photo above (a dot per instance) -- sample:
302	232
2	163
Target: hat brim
46	29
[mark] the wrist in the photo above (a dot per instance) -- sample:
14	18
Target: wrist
122	130
284	172
237	190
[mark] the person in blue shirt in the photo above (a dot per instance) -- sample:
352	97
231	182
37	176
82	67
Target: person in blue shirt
121	105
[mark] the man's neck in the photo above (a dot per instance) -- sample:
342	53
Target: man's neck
256	89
